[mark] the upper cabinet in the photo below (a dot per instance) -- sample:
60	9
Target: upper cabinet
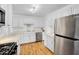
68	10
74	9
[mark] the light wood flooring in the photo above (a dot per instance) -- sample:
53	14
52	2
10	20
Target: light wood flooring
37	48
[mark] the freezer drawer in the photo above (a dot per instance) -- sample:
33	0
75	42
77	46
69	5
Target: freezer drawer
64	46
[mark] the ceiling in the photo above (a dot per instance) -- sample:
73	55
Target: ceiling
43	9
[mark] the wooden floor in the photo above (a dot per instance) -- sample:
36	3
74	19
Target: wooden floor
35	49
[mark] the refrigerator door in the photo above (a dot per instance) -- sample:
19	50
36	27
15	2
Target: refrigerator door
65	26
64	46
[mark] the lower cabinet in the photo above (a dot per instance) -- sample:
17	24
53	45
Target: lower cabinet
48	41
27	37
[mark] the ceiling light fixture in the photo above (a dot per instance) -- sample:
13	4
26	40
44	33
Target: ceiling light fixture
34	8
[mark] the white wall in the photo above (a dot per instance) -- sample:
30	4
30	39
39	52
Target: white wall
50	18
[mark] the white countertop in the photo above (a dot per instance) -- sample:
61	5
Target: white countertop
21	37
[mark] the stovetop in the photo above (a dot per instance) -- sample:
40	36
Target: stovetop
8	48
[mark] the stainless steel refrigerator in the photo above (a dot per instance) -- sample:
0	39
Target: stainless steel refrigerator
67	35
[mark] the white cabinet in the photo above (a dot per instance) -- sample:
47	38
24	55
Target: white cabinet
75	9
69	10
3	31
27	37
48	41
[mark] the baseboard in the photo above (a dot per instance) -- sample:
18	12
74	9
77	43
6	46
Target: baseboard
50	51
32	42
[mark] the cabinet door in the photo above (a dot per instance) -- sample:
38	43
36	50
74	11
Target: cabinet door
75	9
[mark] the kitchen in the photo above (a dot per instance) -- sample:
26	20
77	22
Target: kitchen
24	26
